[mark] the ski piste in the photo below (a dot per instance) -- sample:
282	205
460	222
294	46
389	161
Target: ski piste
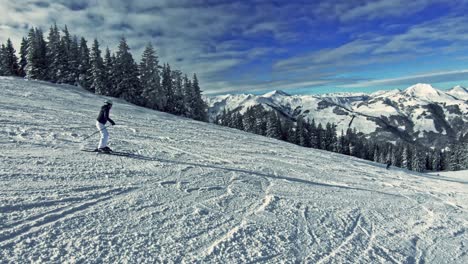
204	193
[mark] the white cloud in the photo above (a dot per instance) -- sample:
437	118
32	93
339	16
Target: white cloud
432	77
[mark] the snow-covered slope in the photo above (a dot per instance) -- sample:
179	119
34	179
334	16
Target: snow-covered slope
419	113
195	192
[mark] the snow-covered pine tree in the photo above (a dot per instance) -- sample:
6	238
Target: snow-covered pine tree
2	60
37	55
407	158
342	144
273	125
187	86
260	121
249	120
179	96
198	105
376	154
464	147
320	134
109	76
9	60
84	67
23	57
330	137
238	121
396	156
96	71
313	134
428	160
302	133
418	161
437	160
382	156
126	74
455	157
53	54
152	94
73	55
168	89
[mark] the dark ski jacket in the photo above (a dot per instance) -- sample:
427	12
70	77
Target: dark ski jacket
104	115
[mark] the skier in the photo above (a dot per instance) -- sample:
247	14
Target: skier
101	126
389	163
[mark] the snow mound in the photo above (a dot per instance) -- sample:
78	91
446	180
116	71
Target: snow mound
185	191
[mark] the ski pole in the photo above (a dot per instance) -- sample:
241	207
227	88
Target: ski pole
95	132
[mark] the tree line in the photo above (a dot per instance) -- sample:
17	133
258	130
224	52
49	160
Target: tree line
301	132
67	59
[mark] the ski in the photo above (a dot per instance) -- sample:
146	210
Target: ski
121	154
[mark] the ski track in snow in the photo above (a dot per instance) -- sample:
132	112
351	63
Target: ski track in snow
197	193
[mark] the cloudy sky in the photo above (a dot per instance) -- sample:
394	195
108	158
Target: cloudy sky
256	46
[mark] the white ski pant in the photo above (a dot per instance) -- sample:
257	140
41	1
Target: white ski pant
104	135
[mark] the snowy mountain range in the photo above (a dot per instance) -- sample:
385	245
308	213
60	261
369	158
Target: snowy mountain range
193	192
421	113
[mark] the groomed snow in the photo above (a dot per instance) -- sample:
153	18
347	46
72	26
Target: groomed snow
195	192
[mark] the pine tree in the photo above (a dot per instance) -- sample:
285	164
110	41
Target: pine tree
319	137
196	104
179	96
152	93
96	71
260	121
3	64
238	121
54	54
23	57
72	66
273	125
330	137
376	154
437	160
302	134
187	86
286	129
418	161
407	158
342	144
109	76
126	74
249	120
464	151
455	158
168	89
37	55
9	60
84	67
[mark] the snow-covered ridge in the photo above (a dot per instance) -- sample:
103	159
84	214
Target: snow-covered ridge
413	111
194	192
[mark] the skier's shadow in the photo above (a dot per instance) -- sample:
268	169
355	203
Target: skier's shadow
256	173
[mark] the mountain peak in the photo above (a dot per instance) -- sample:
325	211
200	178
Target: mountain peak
275	93
422	90
459	89
459	92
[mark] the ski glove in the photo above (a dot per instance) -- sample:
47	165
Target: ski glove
112	122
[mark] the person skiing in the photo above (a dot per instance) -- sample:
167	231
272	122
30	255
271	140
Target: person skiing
389	163
102	119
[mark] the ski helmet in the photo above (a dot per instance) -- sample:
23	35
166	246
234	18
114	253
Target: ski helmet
108	101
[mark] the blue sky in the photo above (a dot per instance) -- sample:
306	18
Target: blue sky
257	46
